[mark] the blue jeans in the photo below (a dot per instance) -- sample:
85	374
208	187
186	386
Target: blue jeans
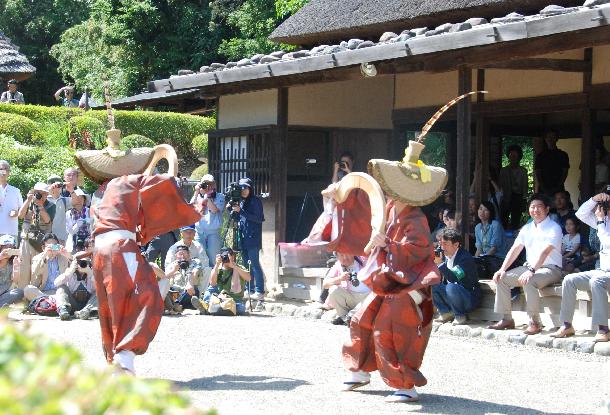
455	298
240	307
211	242
251	254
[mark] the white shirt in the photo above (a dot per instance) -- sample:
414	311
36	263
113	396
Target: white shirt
10	199
195	250
586	214
536	238
362	288
451	259
62	205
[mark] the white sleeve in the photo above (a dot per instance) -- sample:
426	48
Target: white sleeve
585	213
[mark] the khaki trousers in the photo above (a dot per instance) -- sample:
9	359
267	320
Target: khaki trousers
344	300
543	277
26	253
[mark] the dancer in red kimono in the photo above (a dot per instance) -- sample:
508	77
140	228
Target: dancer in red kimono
133	210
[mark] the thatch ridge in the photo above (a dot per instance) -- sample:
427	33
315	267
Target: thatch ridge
12	63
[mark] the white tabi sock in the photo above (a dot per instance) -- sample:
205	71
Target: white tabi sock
125	358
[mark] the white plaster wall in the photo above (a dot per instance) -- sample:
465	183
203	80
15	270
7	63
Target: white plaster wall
509	84
267	254
361	103
421	89
248	110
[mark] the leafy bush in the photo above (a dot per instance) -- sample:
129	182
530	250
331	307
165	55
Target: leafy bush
41	376
41	114
17	126
136	141
86	132
200	145
199	172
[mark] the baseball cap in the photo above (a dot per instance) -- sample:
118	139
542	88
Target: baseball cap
246	182
208	178
54	178
41	187
7	240
187	228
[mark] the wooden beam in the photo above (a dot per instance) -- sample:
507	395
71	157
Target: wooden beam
481	145
280	166
587	170
463	154
543	64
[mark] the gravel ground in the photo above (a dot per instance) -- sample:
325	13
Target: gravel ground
277	365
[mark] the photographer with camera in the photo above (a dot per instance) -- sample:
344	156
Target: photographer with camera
343	167
594	212
345	290
459	291
68	99
12	96
248	213
78	222
208	228
76	290
47	266
184	275
196	251
227	284
37	214
8	252
10	202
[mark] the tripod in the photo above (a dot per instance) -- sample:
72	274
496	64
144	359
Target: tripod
307	196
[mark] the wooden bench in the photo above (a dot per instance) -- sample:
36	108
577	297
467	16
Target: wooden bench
302	283
550	306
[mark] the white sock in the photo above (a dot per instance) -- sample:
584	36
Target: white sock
360	376
410	392
125	358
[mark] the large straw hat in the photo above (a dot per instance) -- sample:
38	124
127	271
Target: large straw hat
410	180
102	165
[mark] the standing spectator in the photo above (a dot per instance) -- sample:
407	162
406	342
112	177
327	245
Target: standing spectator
37	214
8	295
459	291
85	102
563	209
71	176
62	206
345	294
541	239
12	96
489	241
158	247
47	266
343	167
249	214
78	222
596	281
10	203
601	167
68	99
552	167
212	205
514	184
195	249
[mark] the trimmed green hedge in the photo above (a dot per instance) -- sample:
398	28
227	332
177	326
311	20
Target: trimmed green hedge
42	114
136	141
200	145
86	132
18	126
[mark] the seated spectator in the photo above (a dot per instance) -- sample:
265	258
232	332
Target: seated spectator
590	253
68	99
53	261
345	290
563	209
449	218
184	274
8	252
596	281
459	292
227	279
12	96
440	225
570	244
76	290
195	249
489	240
541	239
62	206
78	222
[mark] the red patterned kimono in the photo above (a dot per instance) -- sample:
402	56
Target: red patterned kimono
390	331
130	305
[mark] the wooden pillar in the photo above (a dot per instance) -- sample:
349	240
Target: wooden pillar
587	145
280	167
462	185
481	146
451	147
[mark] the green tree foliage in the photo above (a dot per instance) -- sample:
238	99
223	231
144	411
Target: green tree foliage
136	141
35	26
285	8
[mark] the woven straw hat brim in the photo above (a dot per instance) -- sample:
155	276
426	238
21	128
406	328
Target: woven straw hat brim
397	182
99	166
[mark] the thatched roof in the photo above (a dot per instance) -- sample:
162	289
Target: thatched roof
12	63
321	21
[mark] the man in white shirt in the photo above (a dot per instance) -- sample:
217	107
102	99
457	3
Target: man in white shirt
596	281
196	250
10	202
345	290
541	239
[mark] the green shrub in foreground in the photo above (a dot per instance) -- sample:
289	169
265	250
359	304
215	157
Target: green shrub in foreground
17	126
200	145
136	141
86	132
41	114
39	376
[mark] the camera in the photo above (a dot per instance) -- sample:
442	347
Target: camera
84	263
438	251
55	247
183	264
38	195
203	186
605	205
342	165
353	278
225	257
233	194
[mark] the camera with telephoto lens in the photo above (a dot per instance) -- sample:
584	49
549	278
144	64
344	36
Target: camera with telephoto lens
203	186
184	264
233	194
225	257
353	278
84	263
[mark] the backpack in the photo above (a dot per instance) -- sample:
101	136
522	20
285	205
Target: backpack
44	305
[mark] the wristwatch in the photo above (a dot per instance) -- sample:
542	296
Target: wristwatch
601	222
529	267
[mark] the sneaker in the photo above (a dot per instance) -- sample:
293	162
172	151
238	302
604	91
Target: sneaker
178	308
198	304
260	306
84	314
257	296
246	295
403	395
356	380
338	321
444	318
459	320
64	313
